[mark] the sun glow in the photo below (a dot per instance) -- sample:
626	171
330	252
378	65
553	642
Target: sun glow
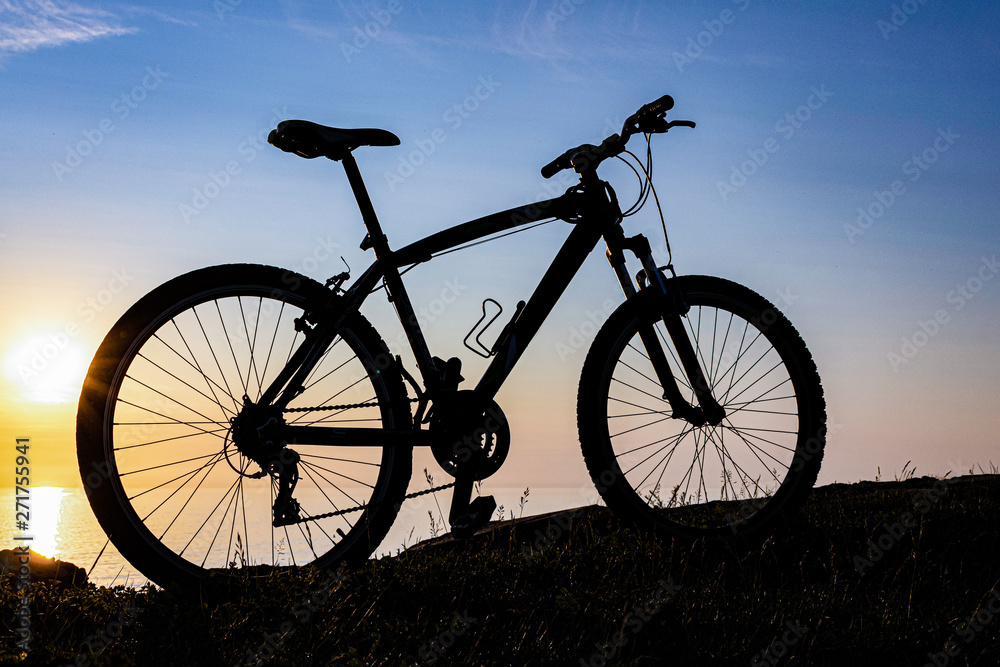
48	368
46	510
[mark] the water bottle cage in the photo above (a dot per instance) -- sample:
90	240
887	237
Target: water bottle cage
482	350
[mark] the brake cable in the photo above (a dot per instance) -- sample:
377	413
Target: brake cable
645	188
492	238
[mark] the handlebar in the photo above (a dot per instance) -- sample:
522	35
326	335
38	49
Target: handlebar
584	152
649	119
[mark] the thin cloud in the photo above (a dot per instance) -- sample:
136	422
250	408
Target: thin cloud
135	10
28	25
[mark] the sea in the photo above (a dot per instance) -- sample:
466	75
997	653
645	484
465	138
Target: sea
62	525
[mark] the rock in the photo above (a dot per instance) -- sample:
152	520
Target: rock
42	568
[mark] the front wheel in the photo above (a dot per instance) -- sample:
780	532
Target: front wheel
155	430
687	480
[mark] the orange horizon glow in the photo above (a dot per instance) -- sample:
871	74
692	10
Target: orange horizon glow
46	368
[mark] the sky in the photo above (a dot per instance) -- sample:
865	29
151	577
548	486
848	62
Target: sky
844	166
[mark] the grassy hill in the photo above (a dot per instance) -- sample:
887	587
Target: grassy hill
874	573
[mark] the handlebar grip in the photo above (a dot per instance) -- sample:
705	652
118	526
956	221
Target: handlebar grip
557	165
656	108
681	123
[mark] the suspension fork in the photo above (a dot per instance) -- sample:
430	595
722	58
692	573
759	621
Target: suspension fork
673	307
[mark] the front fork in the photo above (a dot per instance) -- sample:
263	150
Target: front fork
708	410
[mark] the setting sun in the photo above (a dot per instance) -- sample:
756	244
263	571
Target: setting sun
48	368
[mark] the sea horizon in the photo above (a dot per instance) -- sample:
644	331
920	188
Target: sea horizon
63	525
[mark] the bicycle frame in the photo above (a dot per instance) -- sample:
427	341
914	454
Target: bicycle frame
204	407
593	210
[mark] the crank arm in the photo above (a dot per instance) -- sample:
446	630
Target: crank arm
467	516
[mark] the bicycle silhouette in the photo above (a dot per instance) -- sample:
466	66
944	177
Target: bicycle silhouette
241	391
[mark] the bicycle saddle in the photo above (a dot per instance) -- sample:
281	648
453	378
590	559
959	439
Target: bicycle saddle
312	140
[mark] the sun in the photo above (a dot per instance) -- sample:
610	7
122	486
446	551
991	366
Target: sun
48	368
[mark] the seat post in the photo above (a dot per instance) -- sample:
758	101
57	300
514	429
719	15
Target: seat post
375	239
393	284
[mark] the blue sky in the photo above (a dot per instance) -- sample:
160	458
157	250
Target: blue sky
118	119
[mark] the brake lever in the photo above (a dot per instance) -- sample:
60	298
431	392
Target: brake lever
660	125
654	125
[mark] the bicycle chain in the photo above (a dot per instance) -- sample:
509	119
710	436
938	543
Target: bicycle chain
351	406
346	406
317	517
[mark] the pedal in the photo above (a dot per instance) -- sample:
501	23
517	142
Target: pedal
479	513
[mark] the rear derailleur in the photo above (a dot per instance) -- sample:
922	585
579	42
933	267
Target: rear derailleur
251	431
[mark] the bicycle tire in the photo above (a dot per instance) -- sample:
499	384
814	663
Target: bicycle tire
144	413
769	446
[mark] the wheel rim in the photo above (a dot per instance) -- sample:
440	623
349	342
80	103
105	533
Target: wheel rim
167	436
706	478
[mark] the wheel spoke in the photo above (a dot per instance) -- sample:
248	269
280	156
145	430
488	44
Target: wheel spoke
171	419
193	363
686	473
274	337
162	440
636	428
182	474
215	357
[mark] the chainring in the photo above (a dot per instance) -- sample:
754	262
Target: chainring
473	441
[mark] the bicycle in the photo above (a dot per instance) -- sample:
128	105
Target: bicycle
243	391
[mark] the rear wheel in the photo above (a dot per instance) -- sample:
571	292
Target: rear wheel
154	437
734	478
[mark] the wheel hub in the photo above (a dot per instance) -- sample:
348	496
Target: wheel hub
250	431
